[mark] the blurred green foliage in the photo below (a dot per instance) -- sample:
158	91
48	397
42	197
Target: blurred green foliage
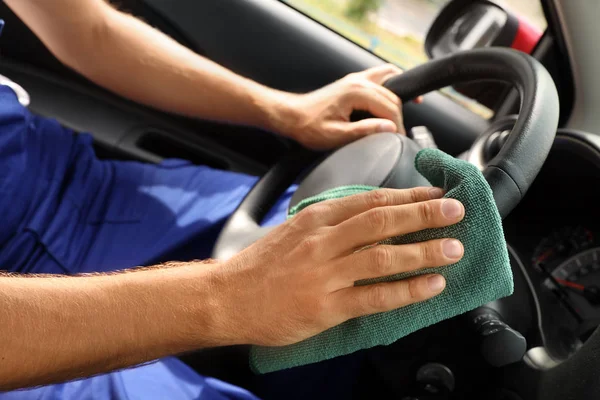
438	3
358	10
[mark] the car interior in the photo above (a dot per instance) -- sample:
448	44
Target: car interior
540	156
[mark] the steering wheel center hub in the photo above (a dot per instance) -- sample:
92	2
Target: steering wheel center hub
381	160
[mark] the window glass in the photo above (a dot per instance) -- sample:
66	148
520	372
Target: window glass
395	29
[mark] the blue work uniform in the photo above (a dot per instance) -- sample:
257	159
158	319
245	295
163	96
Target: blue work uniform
64	211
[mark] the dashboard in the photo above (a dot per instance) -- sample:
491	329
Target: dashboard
555	233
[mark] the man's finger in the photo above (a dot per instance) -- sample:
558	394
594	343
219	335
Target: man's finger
339	210
394	106
382	79
376	104
384	92
381	73
370	299
382	223
356	130
387	77
417	100
385	260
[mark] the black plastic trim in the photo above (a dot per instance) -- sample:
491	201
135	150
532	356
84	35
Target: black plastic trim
111	119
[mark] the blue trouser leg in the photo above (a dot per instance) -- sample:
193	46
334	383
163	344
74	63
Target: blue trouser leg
149	212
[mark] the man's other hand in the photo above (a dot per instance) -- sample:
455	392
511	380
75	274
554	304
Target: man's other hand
299	280
321	119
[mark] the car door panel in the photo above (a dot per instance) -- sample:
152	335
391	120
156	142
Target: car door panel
121	128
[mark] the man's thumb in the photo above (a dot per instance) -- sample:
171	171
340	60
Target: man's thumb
372	125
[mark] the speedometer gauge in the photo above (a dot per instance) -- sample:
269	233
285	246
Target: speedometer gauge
577	268
561	244
569	261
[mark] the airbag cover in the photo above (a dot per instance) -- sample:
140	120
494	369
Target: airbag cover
382	160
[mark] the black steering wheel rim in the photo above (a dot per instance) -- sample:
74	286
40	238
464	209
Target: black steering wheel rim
509	173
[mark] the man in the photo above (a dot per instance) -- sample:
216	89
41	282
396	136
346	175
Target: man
64	212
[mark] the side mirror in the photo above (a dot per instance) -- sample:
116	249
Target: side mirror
469	24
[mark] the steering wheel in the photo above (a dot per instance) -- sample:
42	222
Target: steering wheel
387	159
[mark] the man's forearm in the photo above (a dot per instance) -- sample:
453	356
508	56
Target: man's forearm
157	71
59	328
127	56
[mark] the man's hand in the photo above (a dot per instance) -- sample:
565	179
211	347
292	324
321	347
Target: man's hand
321	119
299	280
294	283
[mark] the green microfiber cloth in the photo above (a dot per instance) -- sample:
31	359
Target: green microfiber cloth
481	276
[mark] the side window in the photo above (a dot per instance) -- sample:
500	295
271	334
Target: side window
395	30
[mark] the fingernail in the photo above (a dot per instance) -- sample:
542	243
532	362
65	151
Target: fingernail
387	127
452	209
436	193
452	248
436	283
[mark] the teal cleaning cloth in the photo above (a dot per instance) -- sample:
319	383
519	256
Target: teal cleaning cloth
481	276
